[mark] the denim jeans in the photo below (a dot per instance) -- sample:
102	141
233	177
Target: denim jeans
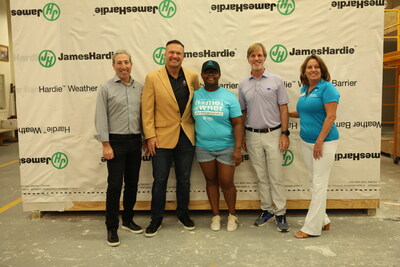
182	156
123	168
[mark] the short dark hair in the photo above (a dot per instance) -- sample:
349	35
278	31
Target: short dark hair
324	69
174	42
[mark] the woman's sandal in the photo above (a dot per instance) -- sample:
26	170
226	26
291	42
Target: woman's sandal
301	234
326	227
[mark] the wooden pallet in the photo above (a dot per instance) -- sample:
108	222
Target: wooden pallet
368	204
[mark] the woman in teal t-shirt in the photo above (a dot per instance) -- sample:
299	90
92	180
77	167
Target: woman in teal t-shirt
219	132
316	108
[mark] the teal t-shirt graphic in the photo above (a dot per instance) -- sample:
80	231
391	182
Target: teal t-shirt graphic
212	112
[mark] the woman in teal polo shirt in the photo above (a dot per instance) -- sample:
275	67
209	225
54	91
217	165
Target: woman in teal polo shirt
316	109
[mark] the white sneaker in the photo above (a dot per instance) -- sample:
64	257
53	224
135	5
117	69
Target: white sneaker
232	223
216	223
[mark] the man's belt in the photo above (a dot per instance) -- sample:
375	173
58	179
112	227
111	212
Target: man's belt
265	130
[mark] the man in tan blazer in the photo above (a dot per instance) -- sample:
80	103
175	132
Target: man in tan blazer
169	132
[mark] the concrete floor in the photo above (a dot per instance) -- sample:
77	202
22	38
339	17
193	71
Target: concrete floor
78	238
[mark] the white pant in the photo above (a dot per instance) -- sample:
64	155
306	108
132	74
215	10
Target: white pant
266	158
319	171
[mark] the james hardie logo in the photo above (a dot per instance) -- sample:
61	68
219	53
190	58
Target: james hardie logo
357	3
286	7
59	160
47	58
158	56
167	9
287	158
278	53
51	12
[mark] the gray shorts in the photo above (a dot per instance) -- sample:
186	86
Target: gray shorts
224	156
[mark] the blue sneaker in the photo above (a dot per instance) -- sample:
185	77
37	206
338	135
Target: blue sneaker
264	218
281	223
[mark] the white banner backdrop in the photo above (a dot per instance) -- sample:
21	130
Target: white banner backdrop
63	49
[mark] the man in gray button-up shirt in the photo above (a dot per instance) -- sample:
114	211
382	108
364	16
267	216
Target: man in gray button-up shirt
118	126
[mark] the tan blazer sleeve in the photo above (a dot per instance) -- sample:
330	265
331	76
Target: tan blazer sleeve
148	107
187	121
196	84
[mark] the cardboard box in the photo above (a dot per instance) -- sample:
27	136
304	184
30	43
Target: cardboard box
3	114
9	124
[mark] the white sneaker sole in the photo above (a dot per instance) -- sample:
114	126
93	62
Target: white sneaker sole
266	222
215	227
232	229
283	231
113	244
132	231
187	228
152	234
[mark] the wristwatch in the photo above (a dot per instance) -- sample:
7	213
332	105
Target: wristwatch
287	133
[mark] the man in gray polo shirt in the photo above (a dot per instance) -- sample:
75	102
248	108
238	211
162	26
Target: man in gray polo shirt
118	126
264	100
